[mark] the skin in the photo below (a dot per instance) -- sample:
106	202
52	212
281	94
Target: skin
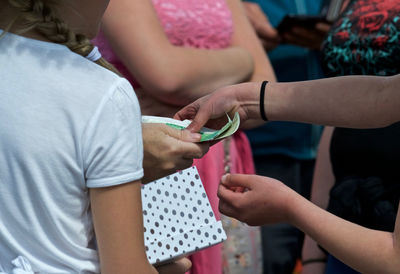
267	34
268	201
352	101
297	35
349	101
169	149
117	211
323	181
173	76
305	37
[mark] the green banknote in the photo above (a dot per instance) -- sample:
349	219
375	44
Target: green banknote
207	134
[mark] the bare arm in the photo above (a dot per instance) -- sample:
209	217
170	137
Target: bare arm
117	218
244	36
323	181
172	74
351	101
366	250
270	201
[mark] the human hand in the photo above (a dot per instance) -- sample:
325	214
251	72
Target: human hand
211	110
263	200
305	37
266	32
180	266
167	150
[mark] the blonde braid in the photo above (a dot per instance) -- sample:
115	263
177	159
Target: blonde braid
38	15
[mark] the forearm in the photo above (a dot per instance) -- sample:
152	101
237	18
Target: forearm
117	219
366	250
188	74
176	74
322	183
352	101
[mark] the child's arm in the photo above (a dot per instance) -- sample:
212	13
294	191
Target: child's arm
269	201
323	181
117	218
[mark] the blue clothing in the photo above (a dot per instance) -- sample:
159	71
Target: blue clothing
291	63
334	266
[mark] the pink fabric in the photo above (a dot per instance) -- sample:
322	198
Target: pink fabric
199	24
196	23
211	168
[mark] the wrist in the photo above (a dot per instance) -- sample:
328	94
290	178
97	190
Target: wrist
248	95
262	100
294	206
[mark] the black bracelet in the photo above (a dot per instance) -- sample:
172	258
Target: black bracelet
262	95
315	260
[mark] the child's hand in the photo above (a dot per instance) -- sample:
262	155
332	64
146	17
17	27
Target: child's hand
167	150
177	267
264	200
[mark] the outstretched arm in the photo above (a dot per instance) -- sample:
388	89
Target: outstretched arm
270	201
323	181
350	101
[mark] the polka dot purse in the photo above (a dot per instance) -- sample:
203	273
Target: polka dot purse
178	219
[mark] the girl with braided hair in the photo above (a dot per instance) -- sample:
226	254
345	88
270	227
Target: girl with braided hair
71	147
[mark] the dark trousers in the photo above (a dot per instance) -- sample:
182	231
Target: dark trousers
282	243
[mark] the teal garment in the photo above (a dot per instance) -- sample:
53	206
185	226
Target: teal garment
291	63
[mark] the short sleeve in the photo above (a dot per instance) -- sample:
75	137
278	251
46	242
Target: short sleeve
112	147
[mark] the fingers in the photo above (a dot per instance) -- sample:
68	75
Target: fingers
228	195
323	27
195	150
301	41
184	135
226	209
176	267
237	180
269	45
195	113
187	112
198	121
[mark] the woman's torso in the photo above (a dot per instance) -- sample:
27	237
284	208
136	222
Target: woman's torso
365	40
205	24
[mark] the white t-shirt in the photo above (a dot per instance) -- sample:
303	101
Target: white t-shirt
66	125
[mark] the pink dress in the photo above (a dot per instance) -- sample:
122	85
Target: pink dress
200	24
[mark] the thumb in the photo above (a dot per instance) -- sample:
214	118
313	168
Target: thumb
179	266
188	136
237	180
268	32
182	135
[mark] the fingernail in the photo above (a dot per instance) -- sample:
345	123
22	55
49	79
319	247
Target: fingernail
195	136
224	177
